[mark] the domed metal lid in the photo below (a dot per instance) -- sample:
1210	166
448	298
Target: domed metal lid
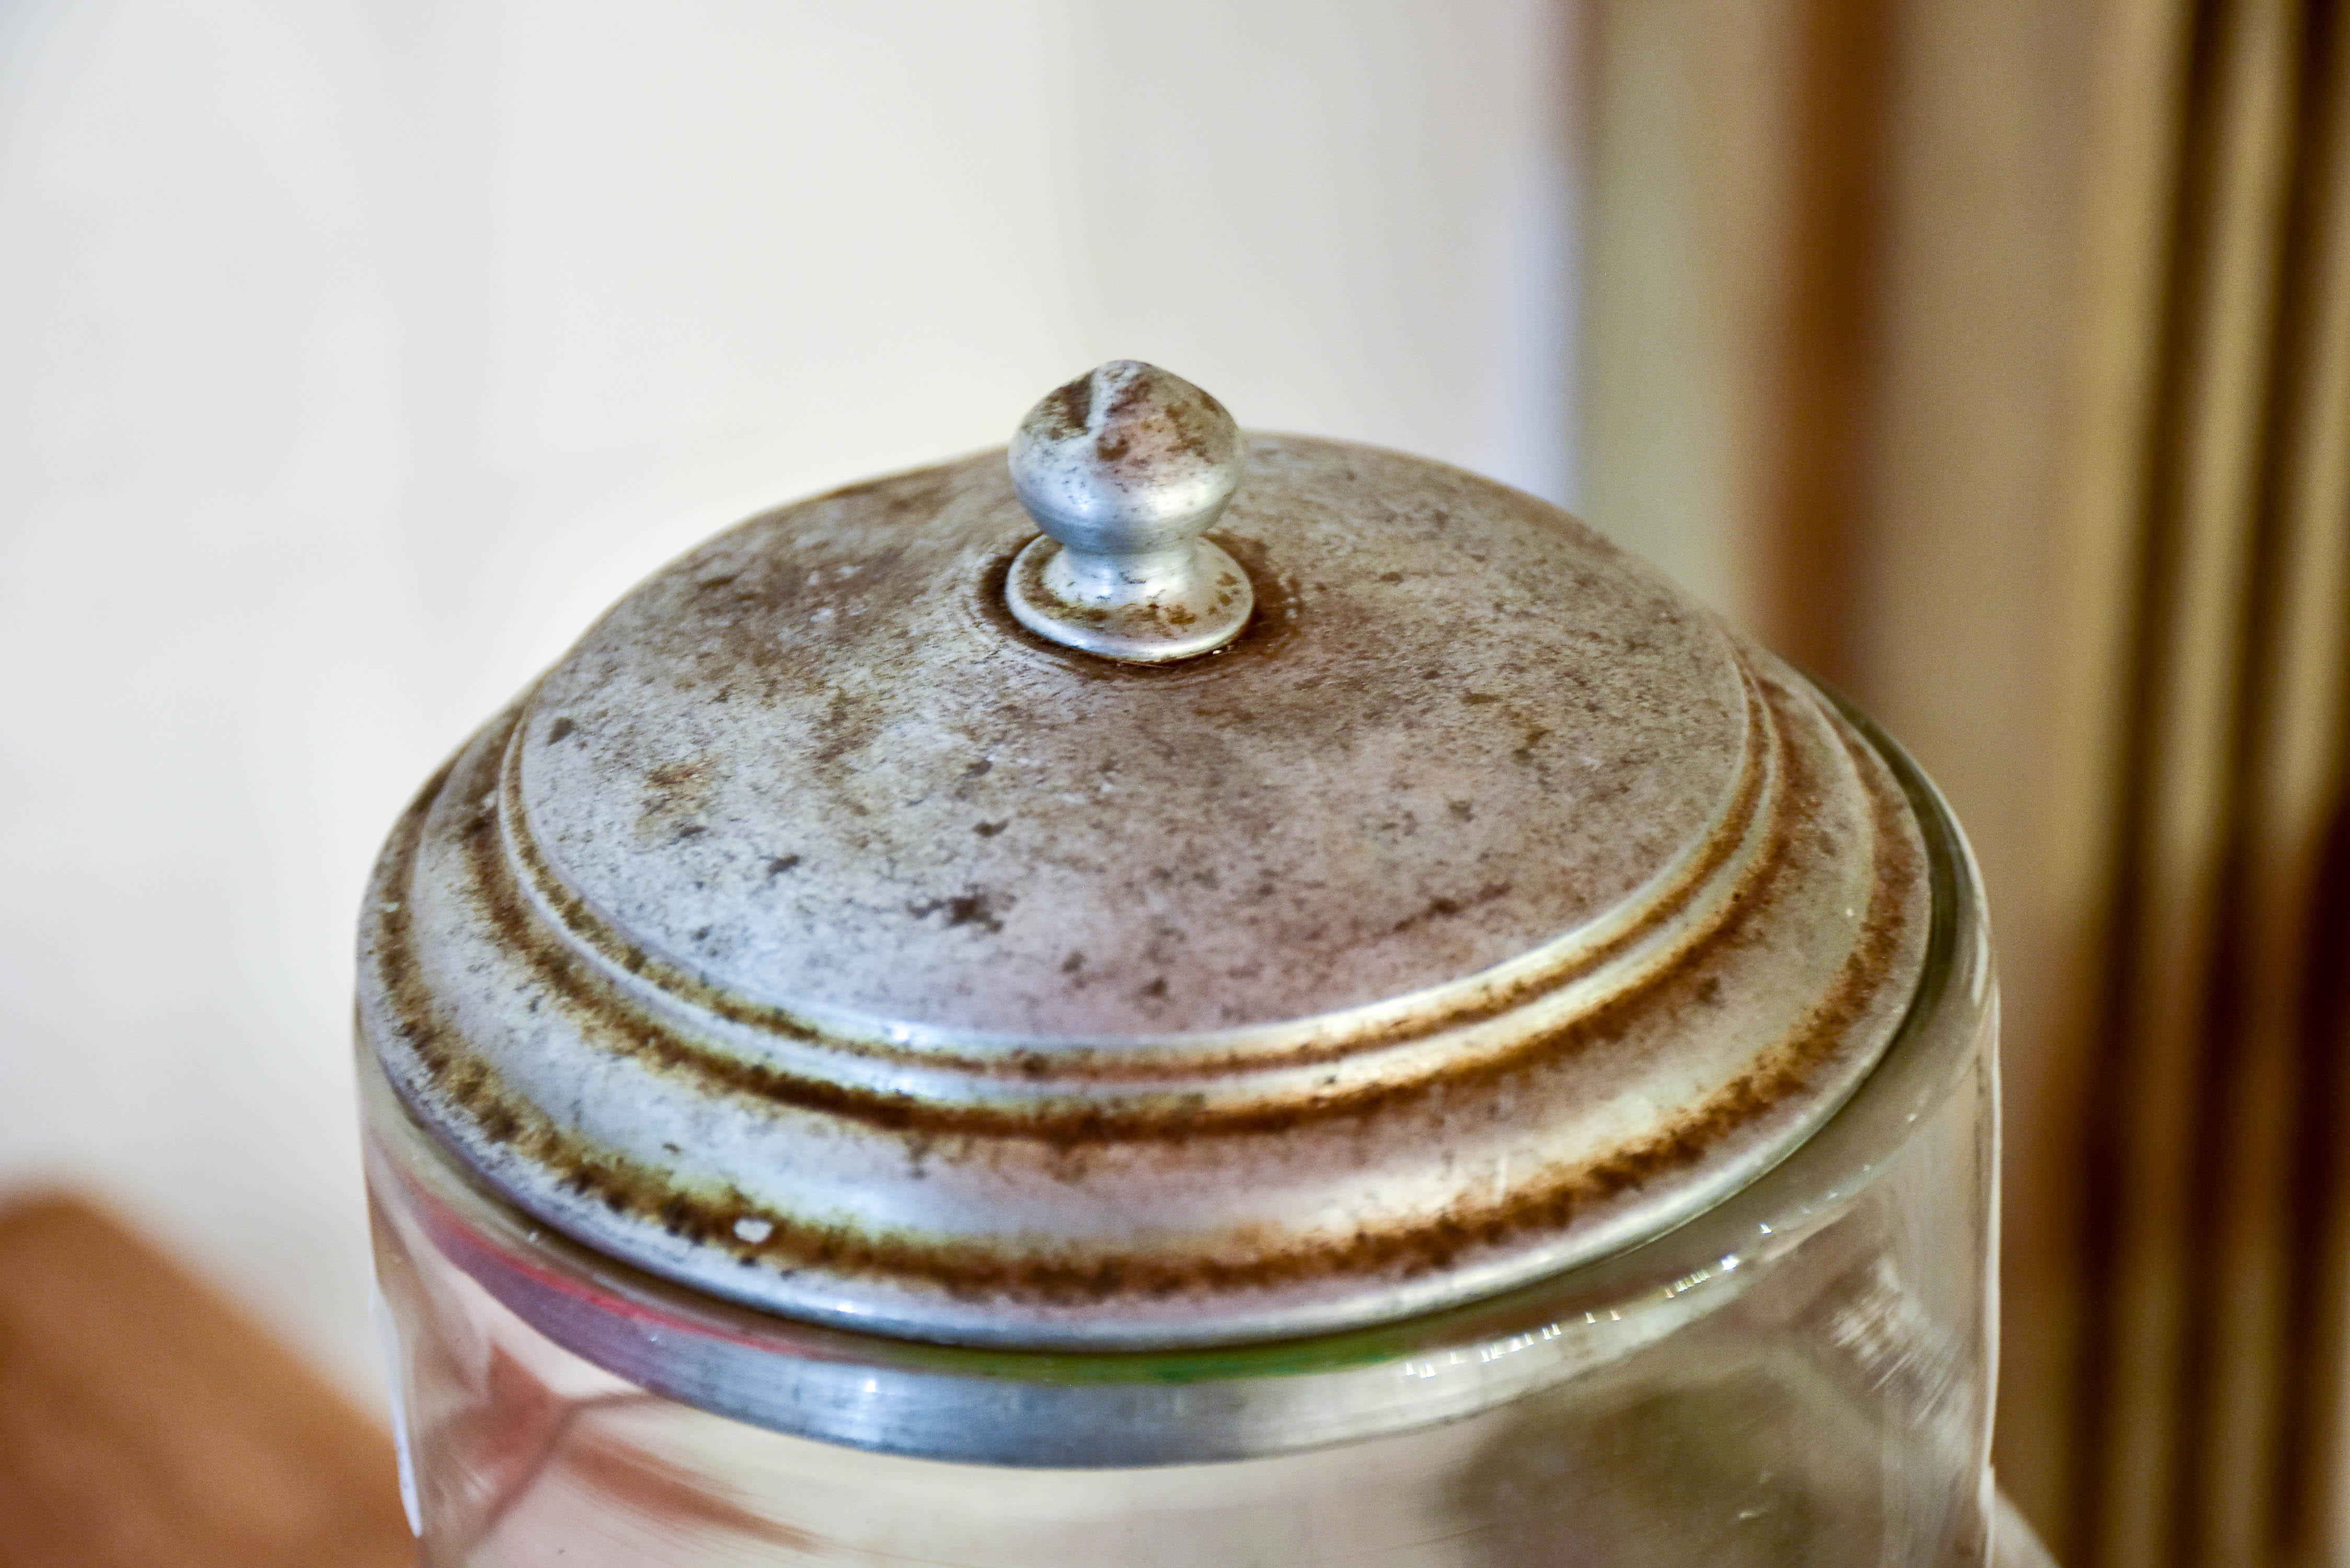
886	917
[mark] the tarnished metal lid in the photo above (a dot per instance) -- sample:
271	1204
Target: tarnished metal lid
824	934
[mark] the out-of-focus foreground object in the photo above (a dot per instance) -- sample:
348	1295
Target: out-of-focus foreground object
144	1422
2015	339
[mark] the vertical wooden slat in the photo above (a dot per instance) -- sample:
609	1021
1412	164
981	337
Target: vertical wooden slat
1808	457
2094	571
2318	1495
2057	905
2207	463
1657	377
2291	787
1687	267
1728	339
2032	155
2299	835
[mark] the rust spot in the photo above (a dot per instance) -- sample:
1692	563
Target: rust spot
1128	394
976	907
672	794
968	784
1277	618
562	727
1069	408
1440	908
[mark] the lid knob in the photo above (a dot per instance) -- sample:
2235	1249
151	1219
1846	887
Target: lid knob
1124	469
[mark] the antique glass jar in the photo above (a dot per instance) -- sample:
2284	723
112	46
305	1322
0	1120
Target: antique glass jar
1315	1013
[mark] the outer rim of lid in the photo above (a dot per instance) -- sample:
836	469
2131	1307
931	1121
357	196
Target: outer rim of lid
1210	1187
1087	1410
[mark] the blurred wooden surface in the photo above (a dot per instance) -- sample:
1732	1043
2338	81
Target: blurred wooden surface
145	1423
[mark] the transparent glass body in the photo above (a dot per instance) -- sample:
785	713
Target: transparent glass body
1801	1376
1817	1396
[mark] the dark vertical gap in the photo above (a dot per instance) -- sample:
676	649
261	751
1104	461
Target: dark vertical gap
2320	1158
2220	1031
2325	1006
1814	506
2105	1136
2234	966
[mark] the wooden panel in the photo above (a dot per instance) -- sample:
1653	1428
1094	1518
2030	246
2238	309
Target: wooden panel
2290	781
2095	571
1728	342
2041	767
2143	1179
2281	1379
1904	349
143	1422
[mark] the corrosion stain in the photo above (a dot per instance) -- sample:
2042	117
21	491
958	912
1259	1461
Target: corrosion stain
1274	623
976	907
1069	408
494	873
672	794
1073	1112
1073	1277
1442	907
600	1010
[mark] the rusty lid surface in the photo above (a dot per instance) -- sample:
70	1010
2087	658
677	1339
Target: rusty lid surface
852	926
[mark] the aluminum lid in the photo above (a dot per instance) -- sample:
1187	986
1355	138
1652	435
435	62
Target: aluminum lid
888	917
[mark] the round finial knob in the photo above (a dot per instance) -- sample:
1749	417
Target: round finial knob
1125	469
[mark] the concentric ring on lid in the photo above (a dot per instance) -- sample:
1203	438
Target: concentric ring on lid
814	935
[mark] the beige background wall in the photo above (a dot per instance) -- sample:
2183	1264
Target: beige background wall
353	353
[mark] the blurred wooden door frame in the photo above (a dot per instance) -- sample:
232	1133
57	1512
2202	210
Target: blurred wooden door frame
2008	339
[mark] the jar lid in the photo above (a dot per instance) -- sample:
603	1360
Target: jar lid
1307	886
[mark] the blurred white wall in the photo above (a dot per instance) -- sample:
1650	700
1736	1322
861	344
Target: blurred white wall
354	353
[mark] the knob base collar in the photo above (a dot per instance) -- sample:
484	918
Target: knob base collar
1144	609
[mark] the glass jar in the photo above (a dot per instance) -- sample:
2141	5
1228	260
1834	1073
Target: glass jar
1792	1367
